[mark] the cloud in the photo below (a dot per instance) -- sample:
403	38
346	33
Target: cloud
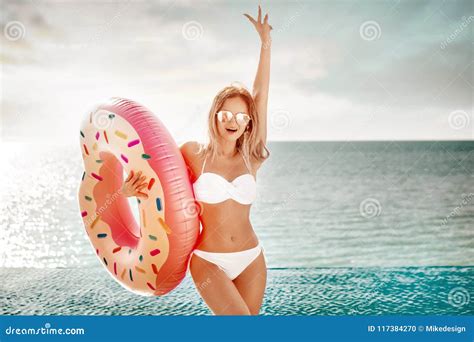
330	81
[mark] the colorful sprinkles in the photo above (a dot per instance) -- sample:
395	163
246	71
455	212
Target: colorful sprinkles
150	183
164	225
120	134
138	269
109	250
155	252
95	221
133	142
99	178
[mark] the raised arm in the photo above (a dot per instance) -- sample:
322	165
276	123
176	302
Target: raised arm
262	79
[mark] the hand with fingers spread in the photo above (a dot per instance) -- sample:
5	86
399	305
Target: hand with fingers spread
263	28
134	184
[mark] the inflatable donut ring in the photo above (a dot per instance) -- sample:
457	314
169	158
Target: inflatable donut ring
149	258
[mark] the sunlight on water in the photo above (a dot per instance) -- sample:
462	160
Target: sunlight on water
318	206
337	291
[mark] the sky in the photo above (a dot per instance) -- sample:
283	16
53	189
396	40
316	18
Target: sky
341	70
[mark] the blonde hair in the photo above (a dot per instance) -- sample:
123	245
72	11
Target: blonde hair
247	142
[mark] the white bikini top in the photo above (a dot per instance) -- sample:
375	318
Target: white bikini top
213	188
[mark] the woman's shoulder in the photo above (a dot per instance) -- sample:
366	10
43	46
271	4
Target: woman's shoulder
190	151
257	160
191	148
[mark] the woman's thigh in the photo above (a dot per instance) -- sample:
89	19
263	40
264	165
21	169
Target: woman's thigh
217	290
251	284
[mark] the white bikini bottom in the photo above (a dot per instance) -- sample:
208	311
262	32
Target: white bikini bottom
232	263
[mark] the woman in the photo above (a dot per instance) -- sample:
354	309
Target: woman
228	265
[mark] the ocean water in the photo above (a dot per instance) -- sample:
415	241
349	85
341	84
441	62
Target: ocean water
294	291
348	228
